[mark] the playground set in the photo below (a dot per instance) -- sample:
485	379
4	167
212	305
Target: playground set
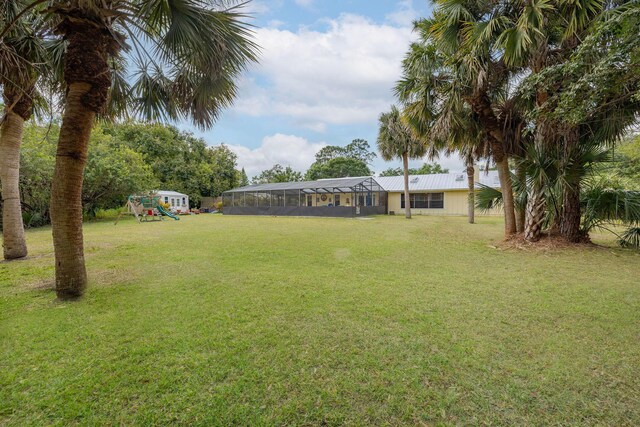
146	207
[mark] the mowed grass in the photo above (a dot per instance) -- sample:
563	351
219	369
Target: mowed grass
219	320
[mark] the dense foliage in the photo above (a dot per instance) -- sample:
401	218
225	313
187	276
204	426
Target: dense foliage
277	173
425	169
180	161
627	162
125	159
339	162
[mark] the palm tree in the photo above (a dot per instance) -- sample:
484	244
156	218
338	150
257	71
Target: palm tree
397	140
476	77
21	57
435	109
187	55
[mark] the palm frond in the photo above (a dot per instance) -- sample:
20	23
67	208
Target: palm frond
630	238
488	198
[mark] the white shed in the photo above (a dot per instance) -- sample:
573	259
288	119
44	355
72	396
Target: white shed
178	202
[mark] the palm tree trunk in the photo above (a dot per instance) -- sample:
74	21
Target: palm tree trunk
471	202
481	105
407	200
12	226
88	79
571	214
507	196
536	208
66	194
520	211
536	197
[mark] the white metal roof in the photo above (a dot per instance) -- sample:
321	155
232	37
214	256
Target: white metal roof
437	181
170	193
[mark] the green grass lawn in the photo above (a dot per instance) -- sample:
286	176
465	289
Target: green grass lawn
216	320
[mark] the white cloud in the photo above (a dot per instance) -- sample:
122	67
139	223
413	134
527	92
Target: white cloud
318	127
304	3
275	23
287	150
405	15
256	7
342	75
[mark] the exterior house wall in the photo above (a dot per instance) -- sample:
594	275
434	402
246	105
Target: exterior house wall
175	202
346	199
455	203
317	199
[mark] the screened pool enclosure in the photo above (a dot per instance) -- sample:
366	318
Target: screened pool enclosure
342	197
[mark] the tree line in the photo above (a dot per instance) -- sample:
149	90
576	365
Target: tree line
124	159
334	161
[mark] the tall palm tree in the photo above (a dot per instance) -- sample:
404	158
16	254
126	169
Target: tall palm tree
396	140
187	55
22	55
435	109
477	76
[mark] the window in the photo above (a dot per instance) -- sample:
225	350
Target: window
166	199
250	199
264	199
173	201
336	200
227	199
277	198
292	198
238	199
184	201
309	200
424	200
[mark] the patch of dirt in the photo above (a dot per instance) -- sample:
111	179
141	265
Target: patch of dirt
547	242
48	284
27	258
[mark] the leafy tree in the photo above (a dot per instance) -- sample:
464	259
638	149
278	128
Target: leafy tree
37	161
397	172
425	169
339	167
277	173
628	161
338	162
357	149
243	179
113	172
224	175
180	161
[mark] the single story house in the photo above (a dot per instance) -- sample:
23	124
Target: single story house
435	194
178	202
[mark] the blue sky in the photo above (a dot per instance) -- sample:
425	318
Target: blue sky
326	72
